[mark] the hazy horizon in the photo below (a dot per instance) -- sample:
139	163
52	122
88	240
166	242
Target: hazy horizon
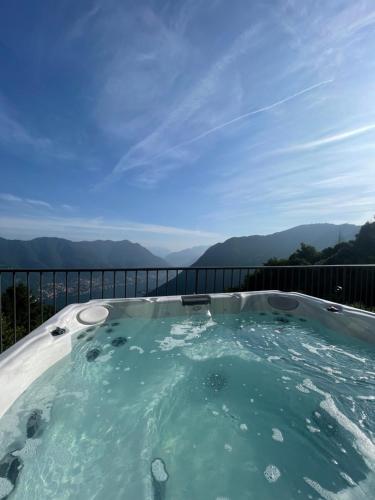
160	250
179	124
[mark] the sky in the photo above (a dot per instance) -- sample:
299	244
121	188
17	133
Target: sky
179	123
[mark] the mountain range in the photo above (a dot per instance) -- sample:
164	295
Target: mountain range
185	258
257	249
58	252
239	251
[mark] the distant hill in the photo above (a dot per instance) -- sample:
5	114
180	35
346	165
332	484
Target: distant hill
58	252
186	257
255	250
159	251
360	250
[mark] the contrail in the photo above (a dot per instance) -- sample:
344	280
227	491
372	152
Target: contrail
242	117
210	131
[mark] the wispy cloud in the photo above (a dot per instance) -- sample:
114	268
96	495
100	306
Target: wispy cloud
80	25
191	110
14	133
11	198
327	140
239	118
79	228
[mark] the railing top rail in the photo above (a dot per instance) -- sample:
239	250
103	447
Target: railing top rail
174	268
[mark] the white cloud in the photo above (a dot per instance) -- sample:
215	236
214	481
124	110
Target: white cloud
11	198
78	228
196	110
327	140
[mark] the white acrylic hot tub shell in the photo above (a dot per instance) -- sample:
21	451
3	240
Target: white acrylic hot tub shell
25	361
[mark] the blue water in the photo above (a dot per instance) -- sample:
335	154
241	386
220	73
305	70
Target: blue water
252	406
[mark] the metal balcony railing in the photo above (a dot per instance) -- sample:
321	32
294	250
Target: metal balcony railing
30	296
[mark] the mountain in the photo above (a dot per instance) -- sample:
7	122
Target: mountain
360	250
159	251
255	250
58	252
186	257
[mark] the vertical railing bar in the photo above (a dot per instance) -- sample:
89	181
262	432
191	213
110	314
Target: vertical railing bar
66	287
215	280
126	283
176	282
79	287
28	302
114	285
147	283
157	282
166	283
239	279
205	280
278	278
41	296
90	291
196	281
14	308
223	280
54	292
360	270
356	284
343	284
324	282
136	283
256	276
186	275
102	284
366	286
336	279
292	280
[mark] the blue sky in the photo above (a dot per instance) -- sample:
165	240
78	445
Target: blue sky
179	123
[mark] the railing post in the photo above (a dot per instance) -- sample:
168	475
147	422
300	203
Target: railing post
28	303
136	283
14	308
41	296
54	292
196	281
66	287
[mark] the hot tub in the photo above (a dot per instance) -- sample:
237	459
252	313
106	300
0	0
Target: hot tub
225	396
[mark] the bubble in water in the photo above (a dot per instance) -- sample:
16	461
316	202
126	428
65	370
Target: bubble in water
272	473
243	427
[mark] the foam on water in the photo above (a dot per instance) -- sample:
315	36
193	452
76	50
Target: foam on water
277	435
225	407
272	473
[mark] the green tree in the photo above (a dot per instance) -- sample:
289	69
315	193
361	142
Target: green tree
19	315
